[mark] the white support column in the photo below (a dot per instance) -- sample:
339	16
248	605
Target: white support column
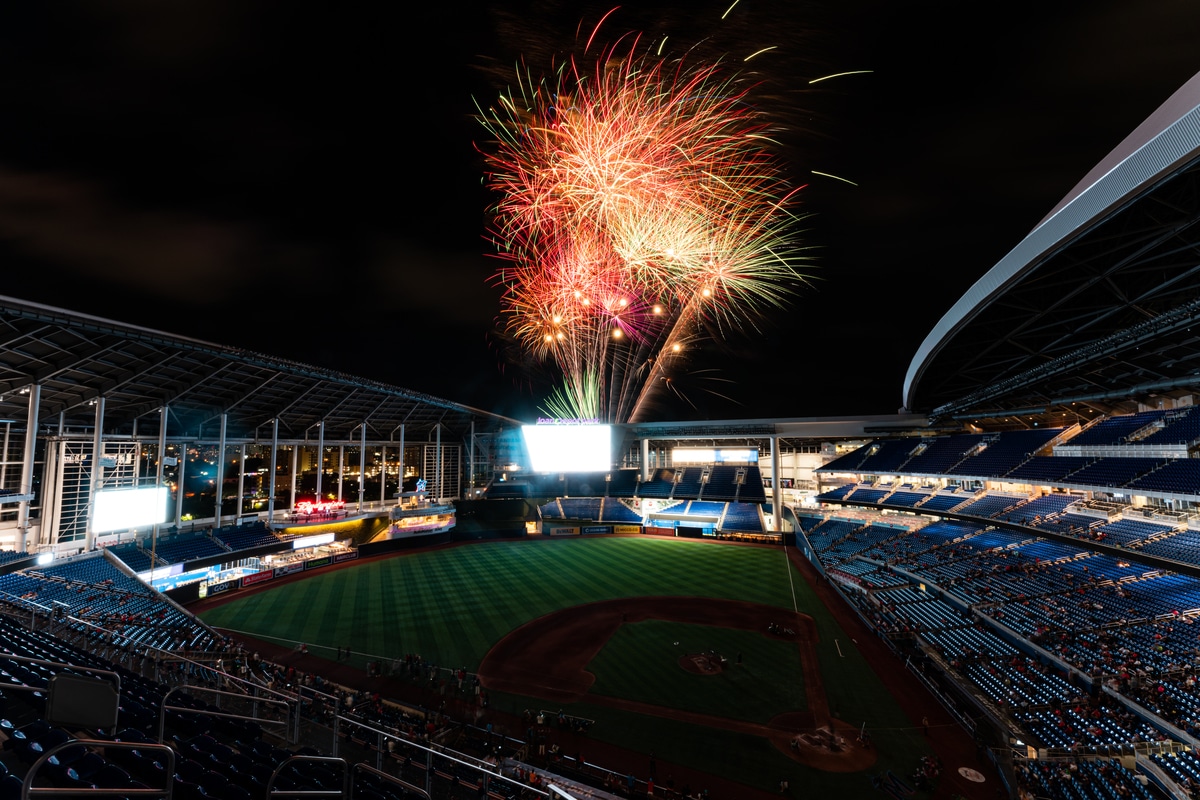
383	476
4	457
341	468
400	465
362	466
471	462
295	466
776	491
271	483
180	477
220	486
320	456
241	494
437	458
31	427
89	541
646	459
162	448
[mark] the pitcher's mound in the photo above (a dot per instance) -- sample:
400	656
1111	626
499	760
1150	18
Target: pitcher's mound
702	664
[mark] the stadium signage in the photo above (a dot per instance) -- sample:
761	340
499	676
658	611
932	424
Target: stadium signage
218	588
288	569
563	531
345	556
257	577
597	529
318	562
627	528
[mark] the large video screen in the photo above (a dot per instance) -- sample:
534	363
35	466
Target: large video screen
568	448
121	509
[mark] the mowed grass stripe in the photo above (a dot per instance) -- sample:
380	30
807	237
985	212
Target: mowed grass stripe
412	603
452	605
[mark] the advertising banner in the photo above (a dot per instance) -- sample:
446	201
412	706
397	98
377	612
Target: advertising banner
218	588
257	577
598	529
563	531
627	528
318	562
288	569
345	556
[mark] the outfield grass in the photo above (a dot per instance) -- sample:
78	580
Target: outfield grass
451	605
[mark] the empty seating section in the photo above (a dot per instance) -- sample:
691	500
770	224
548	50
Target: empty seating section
884	457
1045	550
245	537
989	505
1178	476
1113	472
837	494
1002	452
133	556
9	556
1129	532
751	489
944	502
184	547
923	615
830	531
743	517
1115	430
1020	682
1183	546
1069	524
1032	510
704	508
1048	469
722	483
856	542
623	483
863	494
1181	426
968	642
587	508
908	499
940	454
923	546
689	483
661	483
613	510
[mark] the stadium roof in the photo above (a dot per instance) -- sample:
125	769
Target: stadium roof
1098	308
78	358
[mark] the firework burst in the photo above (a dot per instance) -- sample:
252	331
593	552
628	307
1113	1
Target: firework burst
640	205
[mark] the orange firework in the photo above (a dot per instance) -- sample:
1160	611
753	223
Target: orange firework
638	203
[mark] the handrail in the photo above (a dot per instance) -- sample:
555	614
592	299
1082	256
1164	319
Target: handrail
272	792
29	790
378	773
164	708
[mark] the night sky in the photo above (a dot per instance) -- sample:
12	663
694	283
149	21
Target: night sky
305	182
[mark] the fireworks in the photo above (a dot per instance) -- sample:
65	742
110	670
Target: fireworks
640	207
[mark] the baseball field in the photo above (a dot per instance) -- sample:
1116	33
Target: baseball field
712	656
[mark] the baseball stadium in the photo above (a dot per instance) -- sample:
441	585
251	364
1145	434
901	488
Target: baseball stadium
231	575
